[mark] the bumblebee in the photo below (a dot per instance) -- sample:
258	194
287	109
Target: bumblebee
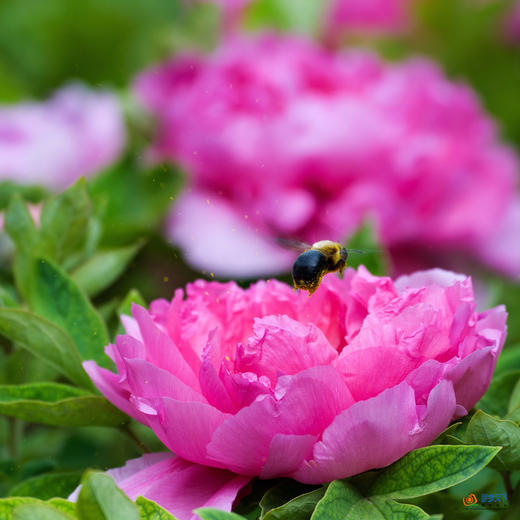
315	262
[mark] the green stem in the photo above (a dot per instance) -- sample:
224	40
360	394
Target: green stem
506	477
134	438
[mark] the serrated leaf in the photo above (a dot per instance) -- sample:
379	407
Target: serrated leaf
489	431
40	512
101	499
208	513
338	500
46	341
103	269
149	510
58	405
47	486
299	508
64	221
431	469
56	297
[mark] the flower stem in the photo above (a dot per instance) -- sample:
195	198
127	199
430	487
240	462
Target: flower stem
506	477
135	439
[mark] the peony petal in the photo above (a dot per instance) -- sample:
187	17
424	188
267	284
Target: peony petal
369	371
472	375
189	427
147	380
215	237
160	349
309	401
214	389
420	279
286	453
372	434
281	345
177	485
241	443
110	386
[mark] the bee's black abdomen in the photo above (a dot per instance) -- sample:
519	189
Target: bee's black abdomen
309	267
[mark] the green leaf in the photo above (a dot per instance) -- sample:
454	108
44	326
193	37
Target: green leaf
489	431
343	502
101	499
64	221
7	505
58	405
136	201
8	189
496	400
133	296
513	408
151	511
392	510
431	469
509	359
19	225
46	341
447	432
374	257
47	486
56	297
104	268
208	513
299	508
40	512
63	505
338	500
282	493
7	297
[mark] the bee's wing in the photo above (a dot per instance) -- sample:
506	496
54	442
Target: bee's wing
289	243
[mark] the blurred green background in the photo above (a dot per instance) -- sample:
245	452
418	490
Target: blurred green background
47	43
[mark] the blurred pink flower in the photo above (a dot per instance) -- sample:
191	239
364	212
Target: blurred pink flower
368	15
52	143
283	138
268	382
512	23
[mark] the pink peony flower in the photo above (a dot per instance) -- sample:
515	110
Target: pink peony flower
282	138
268	382
76	132
512	23
368	15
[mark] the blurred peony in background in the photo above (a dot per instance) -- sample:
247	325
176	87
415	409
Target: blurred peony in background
282	138
206	131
